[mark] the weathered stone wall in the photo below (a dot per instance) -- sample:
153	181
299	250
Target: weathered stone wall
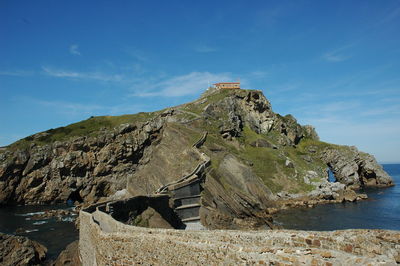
104	241
122	210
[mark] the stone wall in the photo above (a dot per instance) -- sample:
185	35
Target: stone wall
124	210
105	241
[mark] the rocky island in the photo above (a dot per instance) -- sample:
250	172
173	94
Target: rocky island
223	161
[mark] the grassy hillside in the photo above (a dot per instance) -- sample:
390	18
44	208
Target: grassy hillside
88	127
268	163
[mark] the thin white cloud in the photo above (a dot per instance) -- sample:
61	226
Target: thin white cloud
357	122
77	109
205	49
379	137
393	14
59	73
74	49
183	85
137	54
337	54
339	106
382	111
258	74
351	110
70	108
269	17
332	57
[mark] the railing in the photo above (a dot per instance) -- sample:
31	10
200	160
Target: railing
201	140
199	168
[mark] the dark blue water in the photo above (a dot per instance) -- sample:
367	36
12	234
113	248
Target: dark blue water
53	234
380	211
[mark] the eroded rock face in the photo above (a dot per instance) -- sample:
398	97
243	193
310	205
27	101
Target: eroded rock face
354	168
84	169
166	161
244	197
19	250
257	112
252	109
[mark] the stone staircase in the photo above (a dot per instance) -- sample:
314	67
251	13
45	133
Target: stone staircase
185	192
187	201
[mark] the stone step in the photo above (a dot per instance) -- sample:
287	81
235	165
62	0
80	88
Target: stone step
188	197
186	188
187	206
188	211
191	219
186	200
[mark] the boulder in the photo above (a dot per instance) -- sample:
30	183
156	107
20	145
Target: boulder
69	256
19	250
289	163
150	218
327	191
310	175
263	144
348	195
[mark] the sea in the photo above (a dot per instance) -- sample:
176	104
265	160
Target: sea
380	211
55	235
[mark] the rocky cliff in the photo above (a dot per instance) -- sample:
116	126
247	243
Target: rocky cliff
19	250
257	158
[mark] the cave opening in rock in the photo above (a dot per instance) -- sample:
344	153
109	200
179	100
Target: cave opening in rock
74	197
331	176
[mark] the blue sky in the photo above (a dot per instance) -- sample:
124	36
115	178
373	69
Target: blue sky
332	64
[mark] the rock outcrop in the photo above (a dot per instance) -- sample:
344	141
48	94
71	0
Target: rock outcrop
255	154
85	168
354	168
19	250
69	256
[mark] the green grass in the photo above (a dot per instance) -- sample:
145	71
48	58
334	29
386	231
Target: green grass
193	135
268	163
320	146
187	116
197	108
265	160
138	219
307	142
88	127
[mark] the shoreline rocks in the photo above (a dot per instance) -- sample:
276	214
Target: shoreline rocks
325	192
69	256
355	169
60	215
19	250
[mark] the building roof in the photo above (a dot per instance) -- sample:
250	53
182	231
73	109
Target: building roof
226	83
